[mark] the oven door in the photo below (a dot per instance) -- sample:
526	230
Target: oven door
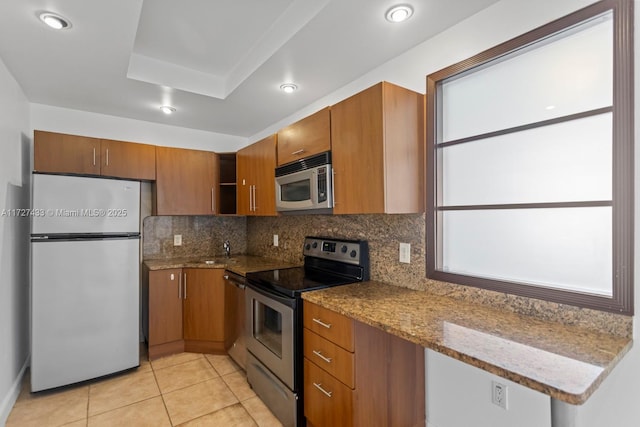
270	331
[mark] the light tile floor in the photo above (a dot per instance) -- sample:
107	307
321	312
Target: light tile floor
186	389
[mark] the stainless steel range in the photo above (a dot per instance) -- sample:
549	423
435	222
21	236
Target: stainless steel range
274	319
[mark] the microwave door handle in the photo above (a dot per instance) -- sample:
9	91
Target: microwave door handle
314	188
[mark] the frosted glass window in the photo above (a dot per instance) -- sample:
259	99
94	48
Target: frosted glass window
557	248
569	74
530	149
569	161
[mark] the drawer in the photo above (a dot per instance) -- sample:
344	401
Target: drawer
327	402
330	325
329	357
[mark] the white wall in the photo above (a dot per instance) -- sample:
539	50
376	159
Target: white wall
15	170
75	122
459	395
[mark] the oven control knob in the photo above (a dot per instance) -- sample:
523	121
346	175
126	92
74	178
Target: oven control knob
343	249
353	253
315	245
307	246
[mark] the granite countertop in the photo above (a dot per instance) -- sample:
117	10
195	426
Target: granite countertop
239	264
565	362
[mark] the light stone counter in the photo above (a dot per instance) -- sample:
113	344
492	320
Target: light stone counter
565	362
239	264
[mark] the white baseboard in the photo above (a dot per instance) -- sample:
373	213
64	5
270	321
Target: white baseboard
10	399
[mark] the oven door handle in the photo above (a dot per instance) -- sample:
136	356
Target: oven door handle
289	302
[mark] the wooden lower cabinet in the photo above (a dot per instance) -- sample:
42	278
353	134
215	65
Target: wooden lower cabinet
377	380
204	308
184	311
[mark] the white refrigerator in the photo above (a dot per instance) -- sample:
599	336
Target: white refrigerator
85	278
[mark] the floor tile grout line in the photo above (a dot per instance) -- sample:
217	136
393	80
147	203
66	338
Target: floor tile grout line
175	364
121	407
166	410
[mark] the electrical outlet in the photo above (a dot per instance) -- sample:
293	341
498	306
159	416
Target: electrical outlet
499	394
275	240
177	240
405	252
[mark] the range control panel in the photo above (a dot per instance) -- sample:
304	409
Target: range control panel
349	251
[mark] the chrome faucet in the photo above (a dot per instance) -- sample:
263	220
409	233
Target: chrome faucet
227	248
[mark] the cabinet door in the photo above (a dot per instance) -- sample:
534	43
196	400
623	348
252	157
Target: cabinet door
357	153
128	160
377	139
204	304
61	153
186	182
256	178
244	179
165	306
309	136
264	182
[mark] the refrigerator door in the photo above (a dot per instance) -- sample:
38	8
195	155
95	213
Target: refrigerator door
73	204
85	305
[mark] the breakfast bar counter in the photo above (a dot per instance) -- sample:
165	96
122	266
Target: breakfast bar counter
565	362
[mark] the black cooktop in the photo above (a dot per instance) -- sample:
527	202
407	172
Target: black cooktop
327	262
292	281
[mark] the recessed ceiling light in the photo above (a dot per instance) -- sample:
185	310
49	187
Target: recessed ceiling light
399	13
288	87
55	21
167	109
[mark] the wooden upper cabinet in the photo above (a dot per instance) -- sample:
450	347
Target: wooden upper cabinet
204	304
256	178
377	142
186	182
128	160
309	136
61	153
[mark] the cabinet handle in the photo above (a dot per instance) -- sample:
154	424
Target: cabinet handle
251	198
322	356
255	207
300	151
319	387
185	285
321	323
94	156
333	185
107	157
179	285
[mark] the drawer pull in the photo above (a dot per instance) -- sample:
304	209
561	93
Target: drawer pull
298	152
322	356
319	387
321	323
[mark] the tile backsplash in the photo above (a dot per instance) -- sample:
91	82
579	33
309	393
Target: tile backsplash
202	236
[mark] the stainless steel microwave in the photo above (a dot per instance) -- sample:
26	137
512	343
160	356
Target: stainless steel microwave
305	186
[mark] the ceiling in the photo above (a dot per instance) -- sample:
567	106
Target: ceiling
220	63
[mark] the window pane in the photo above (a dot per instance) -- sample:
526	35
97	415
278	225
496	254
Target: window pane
558	248
570	75
566	162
